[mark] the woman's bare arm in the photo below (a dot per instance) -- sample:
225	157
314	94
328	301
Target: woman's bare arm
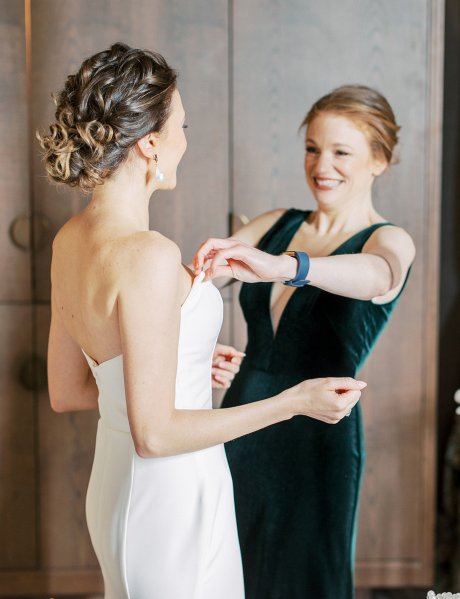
149	316
377	273
71	383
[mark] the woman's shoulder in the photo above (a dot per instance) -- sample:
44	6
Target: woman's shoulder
253	232
391	235
147	265
145	250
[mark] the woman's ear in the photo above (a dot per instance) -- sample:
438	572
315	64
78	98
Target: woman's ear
147	145
379	166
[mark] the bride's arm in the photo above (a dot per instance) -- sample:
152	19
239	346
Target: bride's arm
149	301
71	384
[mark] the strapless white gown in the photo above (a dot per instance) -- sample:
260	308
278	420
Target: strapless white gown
165	528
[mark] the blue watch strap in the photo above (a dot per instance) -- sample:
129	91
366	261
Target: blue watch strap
303	266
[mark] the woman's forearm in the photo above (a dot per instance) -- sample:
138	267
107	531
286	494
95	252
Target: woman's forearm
359	276
182	431
192	430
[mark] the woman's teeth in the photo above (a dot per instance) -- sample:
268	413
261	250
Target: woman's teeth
327	182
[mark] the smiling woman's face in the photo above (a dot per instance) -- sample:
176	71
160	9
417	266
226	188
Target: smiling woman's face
339	164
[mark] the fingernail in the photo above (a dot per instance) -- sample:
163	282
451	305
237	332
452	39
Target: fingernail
361	384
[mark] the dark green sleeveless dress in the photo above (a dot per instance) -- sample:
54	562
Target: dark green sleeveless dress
297	483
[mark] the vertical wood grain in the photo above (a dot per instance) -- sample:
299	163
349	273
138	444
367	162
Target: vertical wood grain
302	51
14	144
17	437
283	56
18	548
192	36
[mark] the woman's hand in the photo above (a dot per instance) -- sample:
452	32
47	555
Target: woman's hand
234	258
326	399
226	362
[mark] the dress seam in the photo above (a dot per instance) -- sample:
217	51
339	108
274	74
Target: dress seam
125	531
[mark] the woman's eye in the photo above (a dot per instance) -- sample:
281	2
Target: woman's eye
310	150
184	126
342	153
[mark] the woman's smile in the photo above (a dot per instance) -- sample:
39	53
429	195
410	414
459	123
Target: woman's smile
326	184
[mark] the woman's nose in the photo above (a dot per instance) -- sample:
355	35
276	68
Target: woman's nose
323	162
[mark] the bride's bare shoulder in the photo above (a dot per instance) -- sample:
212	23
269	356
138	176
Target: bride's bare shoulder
146	250
147	268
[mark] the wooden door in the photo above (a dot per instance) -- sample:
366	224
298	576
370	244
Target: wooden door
53	553
285	56
248	73
18	471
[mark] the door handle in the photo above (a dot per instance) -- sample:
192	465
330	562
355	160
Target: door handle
21	229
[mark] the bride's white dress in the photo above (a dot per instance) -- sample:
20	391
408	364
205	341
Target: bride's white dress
165	528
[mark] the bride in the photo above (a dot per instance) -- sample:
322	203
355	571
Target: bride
133	334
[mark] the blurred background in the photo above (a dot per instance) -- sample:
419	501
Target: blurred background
249	71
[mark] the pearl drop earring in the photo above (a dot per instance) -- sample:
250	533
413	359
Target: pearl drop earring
159	175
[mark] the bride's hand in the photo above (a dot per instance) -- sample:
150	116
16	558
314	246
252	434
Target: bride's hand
234	258
326	399
226	362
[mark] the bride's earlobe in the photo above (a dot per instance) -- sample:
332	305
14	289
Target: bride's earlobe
159	175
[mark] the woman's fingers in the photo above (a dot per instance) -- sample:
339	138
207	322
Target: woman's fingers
248	264
226	262
220	382
343	384
232	367
219	271
226	364
330	399
231	257
223	376
208	248
224	373
228	351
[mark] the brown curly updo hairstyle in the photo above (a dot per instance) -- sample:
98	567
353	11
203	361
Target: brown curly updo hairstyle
368	109
116	97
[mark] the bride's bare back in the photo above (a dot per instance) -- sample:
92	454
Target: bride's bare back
87	273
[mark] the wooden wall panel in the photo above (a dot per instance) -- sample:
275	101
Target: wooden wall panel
246	84
300	52
17	438
18	510
14	149
193	38
195	209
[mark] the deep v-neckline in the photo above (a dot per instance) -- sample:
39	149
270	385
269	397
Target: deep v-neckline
307	213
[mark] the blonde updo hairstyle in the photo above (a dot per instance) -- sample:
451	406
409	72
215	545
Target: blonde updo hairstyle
117	97
368	110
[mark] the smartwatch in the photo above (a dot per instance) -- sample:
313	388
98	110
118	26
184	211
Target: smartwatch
303	266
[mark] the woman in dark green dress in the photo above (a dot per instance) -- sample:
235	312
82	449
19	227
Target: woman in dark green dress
297	483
